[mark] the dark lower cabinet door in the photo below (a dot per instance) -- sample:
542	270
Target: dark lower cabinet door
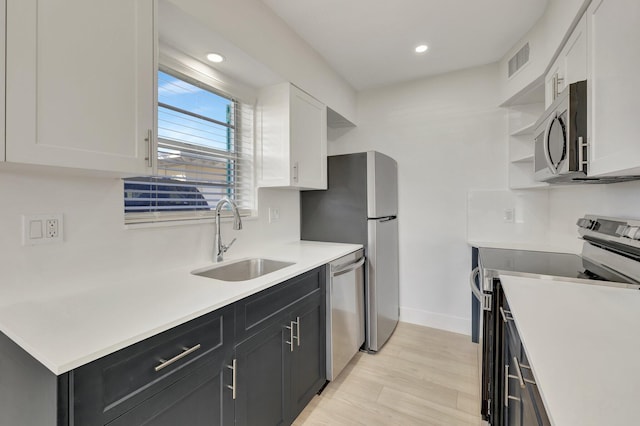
512	390
308	368
262	371
200	399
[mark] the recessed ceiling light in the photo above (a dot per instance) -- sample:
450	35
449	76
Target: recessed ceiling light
215	57
422	48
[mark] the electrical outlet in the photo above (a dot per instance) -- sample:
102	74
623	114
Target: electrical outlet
274	214
509	215
42	229
52	228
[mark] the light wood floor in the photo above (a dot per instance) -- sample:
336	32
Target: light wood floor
422	376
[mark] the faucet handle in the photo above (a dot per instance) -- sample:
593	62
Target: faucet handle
225	248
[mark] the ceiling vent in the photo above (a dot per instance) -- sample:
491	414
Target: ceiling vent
519	59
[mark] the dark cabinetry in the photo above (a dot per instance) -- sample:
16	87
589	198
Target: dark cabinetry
281	362
258	361
181	372
520	401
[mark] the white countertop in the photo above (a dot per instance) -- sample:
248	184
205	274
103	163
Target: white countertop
583	344
531	246
78	324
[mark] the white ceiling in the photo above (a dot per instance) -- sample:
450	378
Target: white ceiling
370	42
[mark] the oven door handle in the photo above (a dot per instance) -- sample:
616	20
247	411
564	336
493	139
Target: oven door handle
472	282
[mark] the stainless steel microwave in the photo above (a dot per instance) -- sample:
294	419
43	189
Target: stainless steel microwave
560	153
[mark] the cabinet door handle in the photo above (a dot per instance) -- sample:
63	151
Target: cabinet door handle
232	386
165	363
504	313
508	376
518	372
297	337
291	336
582	161
295	172
149	140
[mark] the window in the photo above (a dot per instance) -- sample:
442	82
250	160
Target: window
205	153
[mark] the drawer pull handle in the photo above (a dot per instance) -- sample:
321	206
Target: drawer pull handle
187	351
297	337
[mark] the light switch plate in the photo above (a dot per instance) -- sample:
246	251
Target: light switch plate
42	229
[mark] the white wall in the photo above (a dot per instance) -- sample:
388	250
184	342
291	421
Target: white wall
97	242
486	216
567	204
448	137
258	31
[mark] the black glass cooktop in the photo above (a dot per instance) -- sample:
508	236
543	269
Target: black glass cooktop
545	263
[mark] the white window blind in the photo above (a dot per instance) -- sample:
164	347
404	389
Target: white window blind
205	153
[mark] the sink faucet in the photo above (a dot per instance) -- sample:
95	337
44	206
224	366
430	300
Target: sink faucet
220	248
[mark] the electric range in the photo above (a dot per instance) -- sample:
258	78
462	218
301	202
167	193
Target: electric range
610	256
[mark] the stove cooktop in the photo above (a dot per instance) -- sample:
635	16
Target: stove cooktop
546	263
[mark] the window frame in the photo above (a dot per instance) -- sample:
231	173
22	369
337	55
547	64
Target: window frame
182	67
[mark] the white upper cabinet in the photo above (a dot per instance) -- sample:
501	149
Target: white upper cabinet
292	141
80	84
571	64
614	88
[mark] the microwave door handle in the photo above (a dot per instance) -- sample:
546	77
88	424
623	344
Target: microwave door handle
545	144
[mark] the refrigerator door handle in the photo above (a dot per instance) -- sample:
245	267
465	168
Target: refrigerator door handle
388	219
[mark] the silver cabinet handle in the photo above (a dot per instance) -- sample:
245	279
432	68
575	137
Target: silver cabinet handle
149	140
504	313
295	171
166	363
297	321
291	336
582	161
518	372
232	386
508	376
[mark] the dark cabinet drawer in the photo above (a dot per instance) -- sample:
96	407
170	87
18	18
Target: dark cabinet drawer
260	310
199	399
107	387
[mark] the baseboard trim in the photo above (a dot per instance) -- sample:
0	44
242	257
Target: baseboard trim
435	320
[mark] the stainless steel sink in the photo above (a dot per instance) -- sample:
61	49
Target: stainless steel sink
243	270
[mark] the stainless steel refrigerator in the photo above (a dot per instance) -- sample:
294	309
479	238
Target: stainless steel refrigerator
361	206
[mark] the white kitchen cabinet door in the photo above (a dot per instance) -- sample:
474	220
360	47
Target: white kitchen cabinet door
309	141
571	64
614	88
80	84
292	142
574	54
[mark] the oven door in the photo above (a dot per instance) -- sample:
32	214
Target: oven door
485	341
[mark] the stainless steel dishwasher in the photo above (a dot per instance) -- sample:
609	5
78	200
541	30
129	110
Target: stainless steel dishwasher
345	311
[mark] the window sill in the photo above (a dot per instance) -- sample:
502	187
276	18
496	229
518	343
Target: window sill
193	222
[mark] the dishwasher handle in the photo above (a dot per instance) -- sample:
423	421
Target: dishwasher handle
344	269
